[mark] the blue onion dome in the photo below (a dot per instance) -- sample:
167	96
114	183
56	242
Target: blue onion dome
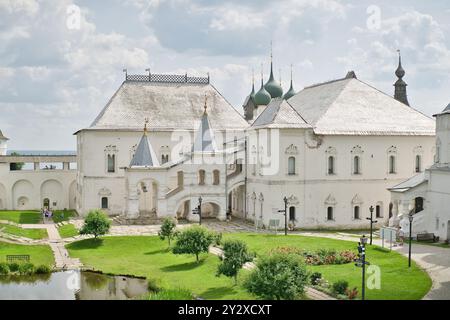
262	97
272	86
290	93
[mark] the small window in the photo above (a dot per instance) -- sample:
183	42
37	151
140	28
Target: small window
201	177
104	203
391	207
330	165
378	211
356	213
418	204
330	214
291	166
356	165
111	162
391	164
292	214
216	177
418	163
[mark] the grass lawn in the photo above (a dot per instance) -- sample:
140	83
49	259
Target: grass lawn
397	281
27	233
68	230
41	254
22	217
60	215
148	256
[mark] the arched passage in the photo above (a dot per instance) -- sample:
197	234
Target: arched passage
183	209
52	193
22	192
210	210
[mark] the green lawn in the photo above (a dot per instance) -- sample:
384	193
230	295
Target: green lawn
27	233
41	254
60	215
22	217
148	256
397	281
68	230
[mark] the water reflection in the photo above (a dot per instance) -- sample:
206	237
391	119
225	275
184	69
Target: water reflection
71	285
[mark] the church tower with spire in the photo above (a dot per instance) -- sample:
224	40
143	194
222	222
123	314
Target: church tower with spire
400	85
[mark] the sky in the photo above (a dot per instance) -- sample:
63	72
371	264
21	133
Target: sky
62	60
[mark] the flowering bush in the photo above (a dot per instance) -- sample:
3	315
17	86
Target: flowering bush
320	257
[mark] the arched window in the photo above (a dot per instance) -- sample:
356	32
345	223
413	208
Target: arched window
201	177
330	214
356	165
164	158
291	165
104	203
418	204
331	165
418	163
356	213
391	207
216	177
291	213
391	164
111	162
378	213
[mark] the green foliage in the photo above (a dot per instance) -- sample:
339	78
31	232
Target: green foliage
153	285
278	276
340	287
96	223
26	269
315	278
17	165
4	268
43	269
351	294
168	229
235	255
217	238
193	240
14	267
170	294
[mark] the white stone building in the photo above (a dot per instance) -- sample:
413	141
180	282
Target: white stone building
427	194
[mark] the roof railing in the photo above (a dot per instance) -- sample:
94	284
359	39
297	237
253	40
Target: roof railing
166	78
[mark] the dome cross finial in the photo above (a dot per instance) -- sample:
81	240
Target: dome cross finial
206	101
145	125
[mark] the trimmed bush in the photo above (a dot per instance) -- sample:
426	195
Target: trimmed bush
96	223
193	240
4	268
340	287
43	269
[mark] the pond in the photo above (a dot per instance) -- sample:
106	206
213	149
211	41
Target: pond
71	285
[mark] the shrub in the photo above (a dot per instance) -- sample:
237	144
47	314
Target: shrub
193	240
4	268
286	250
167	230
351	294
43	269
217	238
340	287
278	276
235	255
315	278
13	267
96	223
26	268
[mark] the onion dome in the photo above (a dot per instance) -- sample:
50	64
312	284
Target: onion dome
272	86
291	92
262	97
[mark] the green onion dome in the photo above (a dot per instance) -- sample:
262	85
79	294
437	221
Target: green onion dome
273	87
290	93
262	97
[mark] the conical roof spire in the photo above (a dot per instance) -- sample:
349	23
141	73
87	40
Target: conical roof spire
144	156
291	91
204	139
400	85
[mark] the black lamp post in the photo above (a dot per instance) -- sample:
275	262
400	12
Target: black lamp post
198	210
361	262
285	215
372	222
411	218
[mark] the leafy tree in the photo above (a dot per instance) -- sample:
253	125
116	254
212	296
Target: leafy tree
193	240
96	223
278	276
235	255
17	165
168	229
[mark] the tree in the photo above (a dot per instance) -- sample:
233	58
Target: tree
235	255
17	165
168	229
279	276
193	240
96	223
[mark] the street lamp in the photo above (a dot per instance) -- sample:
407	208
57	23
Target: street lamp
198	210
285	215
371	223
361	262
411	218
